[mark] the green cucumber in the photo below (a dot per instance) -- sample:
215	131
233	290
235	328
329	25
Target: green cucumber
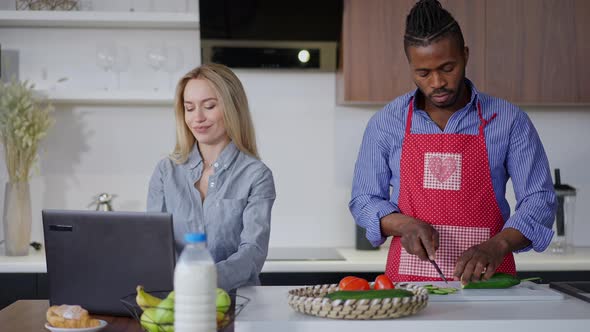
497	281
369	294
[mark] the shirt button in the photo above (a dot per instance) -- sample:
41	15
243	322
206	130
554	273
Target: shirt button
212	184
216	165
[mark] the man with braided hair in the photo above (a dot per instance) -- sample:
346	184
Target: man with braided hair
433	166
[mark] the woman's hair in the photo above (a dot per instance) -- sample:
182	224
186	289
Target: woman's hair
236	115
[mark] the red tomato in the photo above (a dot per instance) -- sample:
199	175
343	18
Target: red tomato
345	281
355	284
382	282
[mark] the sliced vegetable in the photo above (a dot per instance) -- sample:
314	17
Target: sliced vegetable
354	284
383	282
370	294
440	290
498	280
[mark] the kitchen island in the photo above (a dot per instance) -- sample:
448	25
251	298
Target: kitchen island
268	310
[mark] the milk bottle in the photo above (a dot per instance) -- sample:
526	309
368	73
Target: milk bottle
195	283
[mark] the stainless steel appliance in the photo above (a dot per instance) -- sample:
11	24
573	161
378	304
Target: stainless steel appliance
564	218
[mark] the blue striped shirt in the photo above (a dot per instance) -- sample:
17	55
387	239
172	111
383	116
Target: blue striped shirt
514	151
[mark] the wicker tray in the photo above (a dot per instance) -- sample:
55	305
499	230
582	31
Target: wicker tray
311	301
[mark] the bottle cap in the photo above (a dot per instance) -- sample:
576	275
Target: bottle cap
195	237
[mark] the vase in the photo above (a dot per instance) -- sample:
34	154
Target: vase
17	218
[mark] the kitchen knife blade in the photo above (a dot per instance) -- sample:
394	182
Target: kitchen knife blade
438	270
435	266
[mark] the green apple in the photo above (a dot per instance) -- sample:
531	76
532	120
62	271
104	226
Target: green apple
223	301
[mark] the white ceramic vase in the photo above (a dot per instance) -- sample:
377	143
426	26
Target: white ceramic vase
17	218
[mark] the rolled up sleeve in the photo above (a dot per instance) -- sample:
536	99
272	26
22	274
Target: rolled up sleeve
528	167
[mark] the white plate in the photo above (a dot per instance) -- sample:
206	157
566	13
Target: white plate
84	329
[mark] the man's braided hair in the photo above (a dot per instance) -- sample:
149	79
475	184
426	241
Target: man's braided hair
429	22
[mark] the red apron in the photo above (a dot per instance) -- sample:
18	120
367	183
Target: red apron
445	181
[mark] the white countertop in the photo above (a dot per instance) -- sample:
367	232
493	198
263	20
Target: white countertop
268	310
355	261
374	261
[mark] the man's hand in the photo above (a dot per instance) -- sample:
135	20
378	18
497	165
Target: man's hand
481	261
417	237
420	238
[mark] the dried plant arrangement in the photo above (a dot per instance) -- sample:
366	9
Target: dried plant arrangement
24	120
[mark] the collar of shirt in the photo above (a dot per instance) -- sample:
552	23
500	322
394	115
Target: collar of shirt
227	156
471	105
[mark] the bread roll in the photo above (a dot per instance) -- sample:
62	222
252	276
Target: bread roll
70	316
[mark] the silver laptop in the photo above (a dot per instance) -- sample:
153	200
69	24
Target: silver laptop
95	258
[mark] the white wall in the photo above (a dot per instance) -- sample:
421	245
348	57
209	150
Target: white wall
308	142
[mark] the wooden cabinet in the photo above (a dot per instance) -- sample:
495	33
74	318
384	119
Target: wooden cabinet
526	51
537	51
373	65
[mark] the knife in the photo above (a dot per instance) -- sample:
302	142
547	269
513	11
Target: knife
436	267
438	270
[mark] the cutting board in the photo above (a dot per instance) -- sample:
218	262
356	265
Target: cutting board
525	291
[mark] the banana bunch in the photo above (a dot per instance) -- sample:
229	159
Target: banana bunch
158	314
146	300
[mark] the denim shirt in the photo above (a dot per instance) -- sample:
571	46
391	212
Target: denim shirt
235	214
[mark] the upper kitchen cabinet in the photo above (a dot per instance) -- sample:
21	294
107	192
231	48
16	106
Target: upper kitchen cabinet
373	66
537	51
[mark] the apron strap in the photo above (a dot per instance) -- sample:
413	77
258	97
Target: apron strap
409	118
483	122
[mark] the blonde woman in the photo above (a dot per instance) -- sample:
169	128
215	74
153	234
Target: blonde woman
214	179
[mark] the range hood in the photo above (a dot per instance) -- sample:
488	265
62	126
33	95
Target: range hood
270	34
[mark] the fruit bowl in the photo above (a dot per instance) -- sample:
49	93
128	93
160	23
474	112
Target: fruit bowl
136	312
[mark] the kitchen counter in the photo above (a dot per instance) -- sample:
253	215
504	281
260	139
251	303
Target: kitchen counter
374	261
354	261
268	310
